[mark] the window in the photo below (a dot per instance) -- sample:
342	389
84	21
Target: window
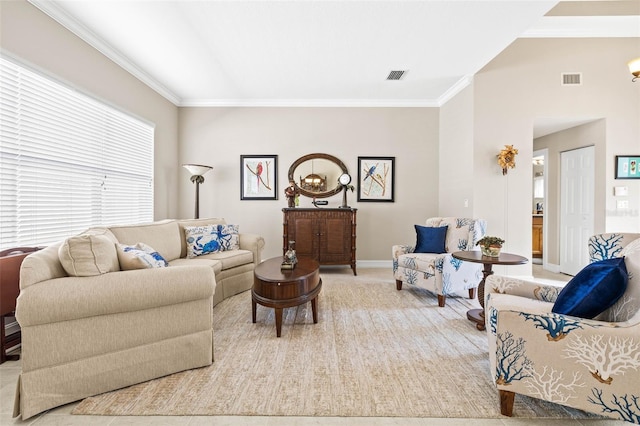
67	161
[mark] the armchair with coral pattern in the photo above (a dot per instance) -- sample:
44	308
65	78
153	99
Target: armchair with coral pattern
588	364
440	272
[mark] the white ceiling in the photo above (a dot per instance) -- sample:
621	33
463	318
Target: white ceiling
310	53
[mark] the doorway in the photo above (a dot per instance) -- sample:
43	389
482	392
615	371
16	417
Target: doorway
577	183
538	207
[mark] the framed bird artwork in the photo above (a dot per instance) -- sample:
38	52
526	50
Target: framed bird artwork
376	178
258	177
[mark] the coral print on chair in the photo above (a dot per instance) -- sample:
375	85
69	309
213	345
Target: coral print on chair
258	177
376	178
577	345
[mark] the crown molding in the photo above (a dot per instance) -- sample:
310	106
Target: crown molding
584	26
312	103
455	89
70	23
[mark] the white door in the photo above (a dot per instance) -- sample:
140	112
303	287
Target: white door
576	207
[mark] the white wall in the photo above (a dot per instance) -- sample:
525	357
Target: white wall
218	136
34	38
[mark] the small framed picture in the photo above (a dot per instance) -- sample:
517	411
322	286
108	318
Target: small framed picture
627	166
376	178
258	177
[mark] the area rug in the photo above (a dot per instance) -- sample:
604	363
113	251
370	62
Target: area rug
375	351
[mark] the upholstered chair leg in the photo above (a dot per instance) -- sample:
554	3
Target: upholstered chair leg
398	285
506	402
441	299
472	293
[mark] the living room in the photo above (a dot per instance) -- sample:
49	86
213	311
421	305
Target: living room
445	153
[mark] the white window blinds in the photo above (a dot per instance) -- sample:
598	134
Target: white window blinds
67	161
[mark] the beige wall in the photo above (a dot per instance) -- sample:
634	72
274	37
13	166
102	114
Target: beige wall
218	136
39	41
522	84
456	156
443	156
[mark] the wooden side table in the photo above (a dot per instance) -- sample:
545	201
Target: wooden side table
10	262
277	288
477	315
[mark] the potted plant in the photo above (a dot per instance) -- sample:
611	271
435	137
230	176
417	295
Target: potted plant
490	246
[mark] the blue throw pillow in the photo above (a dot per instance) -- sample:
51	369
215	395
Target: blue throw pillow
430	239
594	289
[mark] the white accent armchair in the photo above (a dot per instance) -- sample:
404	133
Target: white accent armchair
588	364
440	273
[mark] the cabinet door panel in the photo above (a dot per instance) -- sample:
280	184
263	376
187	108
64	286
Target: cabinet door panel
304	234
334	238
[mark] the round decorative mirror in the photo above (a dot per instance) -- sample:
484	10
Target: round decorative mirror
316	175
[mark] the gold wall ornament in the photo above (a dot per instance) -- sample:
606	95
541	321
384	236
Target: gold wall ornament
507	158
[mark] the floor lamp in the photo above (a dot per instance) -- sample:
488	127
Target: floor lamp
197	171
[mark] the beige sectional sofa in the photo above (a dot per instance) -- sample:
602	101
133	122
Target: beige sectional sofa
109	328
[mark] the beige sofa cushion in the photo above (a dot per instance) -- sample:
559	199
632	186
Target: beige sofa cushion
230	259
164	236
88	255
215	265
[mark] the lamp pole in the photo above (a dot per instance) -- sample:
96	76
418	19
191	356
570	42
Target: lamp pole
197	179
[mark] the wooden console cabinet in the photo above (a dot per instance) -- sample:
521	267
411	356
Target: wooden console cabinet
327	235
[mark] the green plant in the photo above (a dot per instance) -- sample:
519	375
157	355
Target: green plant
490	242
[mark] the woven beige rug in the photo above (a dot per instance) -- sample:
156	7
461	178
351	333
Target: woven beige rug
375	351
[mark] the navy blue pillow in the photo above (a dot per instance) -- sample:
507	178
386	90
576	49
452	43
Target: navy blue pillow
430	239
594	289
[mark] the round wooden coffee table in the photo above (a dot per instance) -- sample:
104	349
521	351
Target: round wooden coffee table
280	288
477	315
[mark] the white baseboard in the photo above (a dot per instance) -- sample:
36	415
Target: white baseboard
551	267
374	264
389	264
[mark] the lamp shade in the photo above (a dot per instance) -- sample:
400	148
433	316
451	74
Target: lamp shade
634	67
197	169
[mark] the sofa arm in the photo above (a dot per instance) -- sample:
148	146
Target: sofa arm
254	243
557	340
71	298
399	250
517	287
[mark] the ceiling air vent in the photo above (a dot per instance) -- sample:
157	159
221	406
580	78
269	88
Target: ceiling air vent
571	79
396	75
